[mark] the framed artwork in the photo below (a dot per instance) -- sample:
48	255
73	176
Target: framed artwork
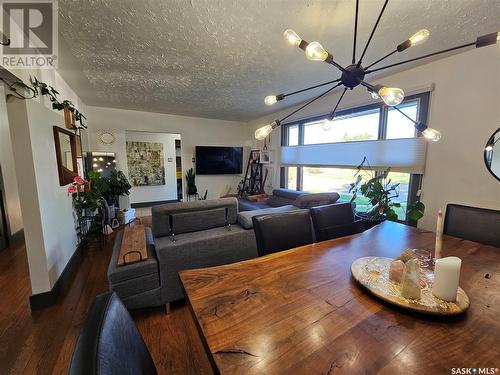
145	163
255	156
266	157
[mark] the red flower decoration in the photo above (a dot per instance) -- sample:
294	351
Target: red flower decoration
79	180
71	189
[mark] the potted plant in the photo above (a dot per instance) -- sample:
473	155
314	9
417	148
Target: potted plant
381	192
85	202
190	179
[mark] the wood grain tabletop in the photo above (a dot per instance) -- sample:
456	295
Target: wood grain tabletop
301	312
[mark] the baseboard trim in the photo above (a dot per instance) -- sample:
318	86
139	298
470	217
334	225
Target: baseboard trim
42	300
18	236
150	204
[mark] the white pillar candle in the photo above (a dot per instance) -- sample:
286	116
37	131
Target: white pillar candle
439	235
446	277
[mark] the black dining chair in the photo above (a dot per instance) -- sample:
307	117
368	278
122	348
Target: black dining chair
282	231
109	342
334	221
472	223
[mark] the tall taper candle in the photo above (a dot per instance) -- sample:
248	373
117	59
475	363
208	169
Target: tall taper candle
446	277
439	235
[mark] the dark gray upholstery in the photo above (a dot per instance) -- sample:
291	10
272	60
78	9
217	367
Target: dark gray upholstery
137	284
472	223
207	248
161	214
317	199
283	197
212	244
245	218
335	220
109	342
282	231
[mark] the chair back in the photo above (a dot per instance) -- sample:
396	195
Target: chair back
109	342
335	220
282	231
472	223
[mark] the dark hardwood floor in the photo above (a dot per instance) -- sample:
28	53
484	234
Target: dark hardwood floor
41	342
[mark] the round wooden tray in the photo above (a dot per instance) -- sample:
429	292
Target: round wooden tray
373	274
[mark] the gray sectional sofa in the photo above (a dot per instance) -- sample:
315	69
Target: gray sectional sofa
196	234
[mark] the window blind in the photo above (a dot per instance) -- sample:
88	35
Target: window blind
401	155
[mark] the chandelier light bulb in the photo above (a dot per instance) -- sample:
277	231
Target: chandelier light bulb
316	52
263	132
292	37
270	99
419	37
374	95
391	95
431	134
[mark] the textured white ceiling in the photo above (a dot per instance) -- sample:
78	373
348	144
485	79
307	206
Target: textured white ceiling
219	58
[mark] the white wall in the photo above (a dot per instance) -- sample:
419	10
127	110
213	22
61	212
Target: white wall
464	106
140	194
13	206
47	210
194	132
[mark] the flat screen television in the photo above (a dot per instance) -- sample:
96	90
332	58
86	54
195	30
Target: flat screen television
218	160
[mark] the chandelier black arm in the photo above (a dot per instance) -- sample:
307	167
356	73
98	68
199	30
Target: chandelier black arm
382	58
355	33
310	102
421	57
404	114
332	113
373	32
310	88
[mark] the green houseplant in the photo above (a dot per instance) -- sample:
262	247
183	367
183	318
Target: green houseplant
381	193
190	179
110	188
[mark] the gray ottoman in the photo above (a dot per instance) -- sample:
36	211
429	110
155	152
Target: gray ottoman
137	284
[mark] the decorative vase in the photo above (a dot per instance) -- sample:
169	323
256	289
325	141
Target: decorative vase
369	221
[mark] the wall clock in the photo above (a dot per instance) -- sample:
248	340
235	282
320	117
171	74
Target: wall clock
106	137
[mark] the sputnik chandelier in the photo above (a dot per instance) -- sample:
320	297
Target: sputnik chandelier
354	74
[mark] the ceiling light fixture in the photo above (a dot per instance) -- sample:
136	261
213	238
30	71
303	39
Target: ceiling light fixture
354	74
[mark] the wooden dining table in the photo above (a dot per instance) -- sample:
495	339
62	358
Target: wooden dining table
300	312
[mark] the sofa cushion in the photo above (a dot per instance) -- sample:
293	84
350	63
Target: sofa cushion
193	221
245	218
288	193
161	214
118	274
246	205
317	199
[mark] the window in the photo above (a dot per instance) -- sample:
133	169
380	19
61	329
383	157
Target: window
291	178
398	126
326	179
404	192
293	135
360	126
372	122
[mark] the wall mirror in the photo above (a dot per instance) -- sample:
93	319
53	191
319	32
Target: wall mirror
68	154
492	154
